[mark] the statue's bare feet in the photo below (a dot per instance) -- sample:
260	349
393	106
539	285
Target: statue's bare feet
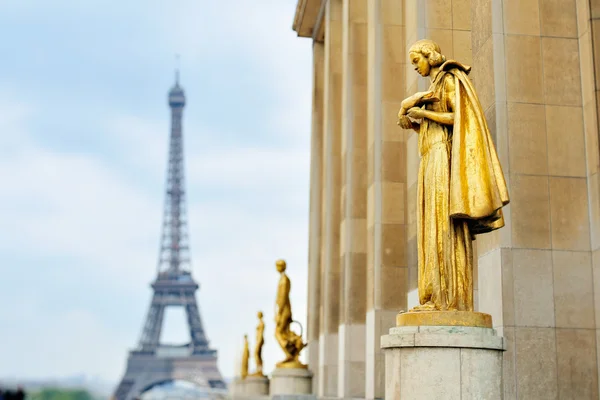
429	306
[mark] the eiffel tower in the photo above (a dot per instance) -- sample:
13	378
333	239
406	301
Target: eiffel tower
153	363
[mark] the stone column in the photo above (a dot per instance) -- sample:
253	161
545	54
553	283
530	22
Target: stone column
536	275
330	245
588	22
351	365
316	212
386	199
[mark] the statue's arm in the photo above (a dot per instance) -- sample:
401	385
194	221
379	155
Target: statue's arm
413	101
409	103
443	118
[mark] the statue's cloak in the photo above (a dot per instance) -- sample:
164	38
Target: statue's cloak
477	187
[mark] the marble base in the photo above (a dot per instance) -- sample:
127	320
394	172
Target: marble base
291	381
443	362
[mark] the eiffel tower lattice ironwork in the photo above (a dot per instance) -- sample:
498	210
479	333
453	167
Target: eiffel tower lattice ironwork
154	363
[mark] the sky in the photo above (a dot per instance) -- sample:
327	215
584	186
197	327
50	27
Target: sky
84	126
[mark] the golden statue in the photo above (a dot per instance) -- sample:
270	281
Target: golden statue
260	341
461	187
245	358
290	342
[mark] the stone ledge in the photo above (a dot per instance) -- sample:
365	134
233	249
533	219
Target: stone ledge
437	336
459	330
300	372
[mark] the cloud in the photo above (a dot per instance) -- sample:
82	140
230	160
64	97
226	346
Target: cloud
72	204
68	340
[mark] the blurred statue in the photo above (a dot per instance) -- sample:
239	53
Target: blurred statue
290	342
245	358
260	341
461	187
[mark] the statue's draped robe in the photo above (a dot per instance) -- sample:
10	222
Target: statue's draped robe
461	191
260	341
284	311
245	359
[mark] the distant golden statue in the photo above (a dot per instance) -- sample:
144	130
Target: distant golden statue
260	341
245	358
290	342
461	187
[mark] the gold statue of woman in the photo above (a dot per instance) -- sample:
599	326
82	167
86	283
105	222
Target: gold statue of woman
245	358
290	342
260	341
461	187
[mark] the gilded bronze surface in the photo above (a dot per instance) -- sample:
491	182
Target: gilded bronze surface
260	341
245	358
290	342
444	318
461	187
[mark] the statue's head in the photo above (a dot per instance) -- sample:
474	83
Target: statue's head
424	55
260	315
245	337
280	264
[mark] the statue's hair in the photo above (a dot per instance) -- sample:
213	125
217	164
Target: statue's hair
429	49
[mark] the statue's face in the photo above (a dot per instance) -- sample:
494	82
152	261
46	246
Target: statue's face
421	63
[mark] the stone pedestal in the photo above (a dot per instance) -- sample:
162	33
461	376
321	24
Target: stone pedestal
236	388
291	383
251	388
256	386
443	362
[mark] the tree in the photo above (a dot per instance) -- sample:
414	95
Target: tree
61	394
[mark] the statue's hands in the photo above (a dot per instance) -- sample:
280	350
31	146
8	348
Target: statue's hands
416	113
404	122
409	109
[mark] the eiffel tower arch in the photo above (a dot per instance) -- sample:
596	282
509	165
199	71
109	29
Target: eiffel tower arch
152	363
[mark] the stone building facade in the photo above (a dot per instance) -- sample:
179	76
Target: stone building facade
536	68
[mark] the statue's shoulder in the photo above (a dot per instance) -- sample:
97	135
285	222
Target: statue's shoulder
453	65
284	280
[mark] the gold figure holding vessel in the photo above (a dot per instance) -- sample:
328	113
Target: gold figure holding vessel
290	342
